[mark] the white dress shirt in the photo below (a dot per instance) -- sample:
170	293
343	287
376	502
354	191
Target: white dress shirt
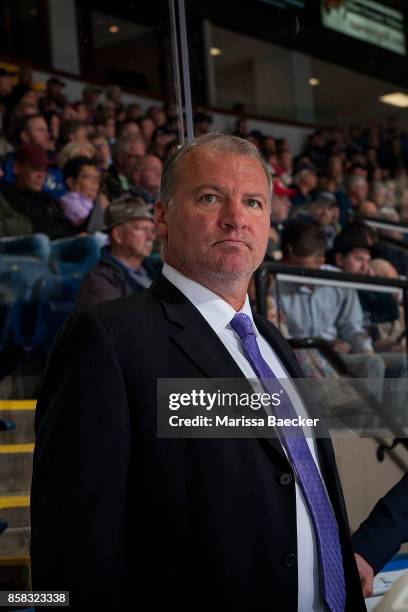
218	314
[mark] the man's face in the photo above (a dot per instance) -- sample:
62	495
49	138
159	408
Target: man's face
29	177
323	214
280	208
130	160
87	182
150	173
216	225
356	261
360	190
148	127
36	132
310	179
135	237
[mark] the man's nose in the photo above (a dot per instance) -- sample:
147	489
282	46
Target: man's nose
234	214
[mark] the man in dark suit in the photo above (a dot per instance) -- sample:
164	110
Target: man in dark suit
381	535
122	517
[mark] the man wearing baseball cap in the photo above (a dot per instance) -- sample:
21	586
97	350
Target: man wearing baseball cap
24	207
352	254
123	268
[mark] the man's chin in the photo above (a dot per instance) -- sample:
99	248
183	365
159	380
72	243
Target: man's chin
227	268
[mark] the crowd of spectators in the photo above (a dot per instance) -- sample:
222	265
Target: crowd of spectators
69	166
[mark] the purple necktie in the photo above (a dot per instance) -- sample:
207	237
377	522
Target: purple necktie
304	466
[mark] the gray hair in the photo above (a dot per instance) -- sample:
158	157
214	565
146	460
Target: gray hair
217	143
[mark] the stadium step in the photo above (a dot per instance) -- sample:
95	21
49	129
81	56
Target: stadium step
16	456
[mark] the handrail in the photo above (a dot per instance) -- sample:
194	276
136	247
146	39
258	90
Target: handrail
324	277
385	224
327	277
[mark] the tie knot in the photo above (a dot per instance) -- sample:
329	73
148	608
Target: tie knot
242	324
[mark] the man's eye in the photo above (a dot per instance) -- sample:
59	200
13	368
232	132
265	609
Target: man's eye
209	198
252	203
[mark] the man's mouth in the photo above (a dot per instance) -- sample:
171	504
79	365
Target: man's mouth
232	242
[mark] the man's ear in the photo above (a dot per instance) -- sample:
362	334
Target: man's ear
160	223
116	235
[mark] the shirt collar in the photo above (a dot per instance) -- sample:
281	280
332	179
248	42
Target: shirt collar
216	311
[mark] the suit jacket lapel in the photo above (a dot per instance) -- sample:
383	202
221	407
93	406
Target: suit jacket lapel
194	336
199	342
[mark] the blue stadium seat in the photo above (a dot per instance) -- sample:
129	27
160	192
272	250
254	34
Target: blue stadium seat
74	257
30	268
35	245
53	301
13	292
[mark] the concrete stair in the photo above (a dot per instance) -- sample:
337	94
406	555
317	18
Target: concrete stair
16	456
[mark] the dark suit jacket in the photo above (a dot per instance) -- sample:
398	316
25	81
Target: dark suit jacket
186	524
380	537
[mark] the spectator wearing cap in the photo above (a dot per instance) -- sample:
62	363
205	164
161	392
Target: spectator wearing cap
24	207
324	211
123	268
82	179
380	249
33	130
304	184
352	254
